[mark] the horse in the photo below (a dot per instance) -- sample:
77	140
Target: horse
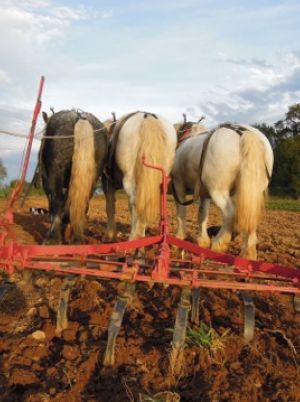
232	166
71	159
133	137
186	129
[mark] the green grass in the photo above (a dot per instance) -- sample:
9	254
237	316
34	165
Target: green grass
283	204
205	337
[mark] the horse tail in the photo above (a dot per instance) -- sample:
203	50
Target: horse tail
153	146
83	175
251	183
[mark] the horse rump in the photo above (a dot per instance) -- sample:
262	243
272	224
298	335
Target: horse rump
71	160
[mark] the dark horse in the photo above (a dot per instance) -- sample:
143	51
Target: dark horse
71	159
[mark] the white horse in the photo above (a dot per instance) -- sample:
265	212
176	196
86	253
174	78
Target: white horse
134	136
232	166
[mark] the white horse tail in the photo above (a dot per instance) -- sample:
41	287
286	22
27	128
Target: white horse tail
153	146
82	175
251	183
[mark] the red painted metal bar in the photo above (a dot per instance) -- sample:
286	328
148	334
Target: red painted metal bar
161	271
122	271
20	183
163	199
240	264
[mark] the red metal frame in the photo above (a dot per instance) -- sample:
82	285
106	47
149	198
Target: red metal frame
200	268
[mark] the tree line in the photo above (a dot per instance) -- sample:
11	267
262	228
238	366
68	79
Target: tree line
284	137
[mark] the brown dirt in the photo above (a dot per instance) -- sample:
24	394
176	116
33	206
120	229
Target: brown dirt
69	367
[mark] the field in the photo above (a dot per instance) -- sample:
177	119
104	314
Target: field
222	368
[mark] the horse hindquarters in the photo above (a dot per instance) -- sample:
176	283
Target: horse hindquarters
83	176
156	145
251	184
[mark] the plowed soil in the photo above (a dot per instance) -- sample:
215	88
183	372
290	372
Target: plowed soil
42	366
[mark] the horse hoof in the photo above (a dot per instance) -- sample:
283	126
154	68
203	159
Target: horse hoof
249	255
203	242
109	238
180	236
219	247
51	242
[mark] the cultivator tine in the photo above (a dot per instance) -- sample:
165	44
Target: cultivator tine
180	330
116	322
196	292
249	317
62	318
297	304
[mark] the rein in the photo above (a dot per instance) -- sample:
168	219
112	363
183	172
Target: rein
184	203
184	136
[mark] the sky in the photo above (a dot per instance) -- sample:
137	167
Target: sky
232	60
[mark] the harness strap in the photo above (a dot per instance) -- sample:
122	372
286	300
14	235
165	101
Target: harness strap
185	203
113	144
184	136
146	114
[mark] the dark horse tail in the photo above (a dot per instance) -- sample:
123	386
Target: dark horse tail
83	175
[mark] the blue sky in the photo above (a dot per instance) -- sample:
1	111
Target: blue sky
229	60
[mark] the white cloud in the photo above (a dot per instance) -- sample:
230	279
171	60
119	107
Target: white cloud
263	94
26	3
69	14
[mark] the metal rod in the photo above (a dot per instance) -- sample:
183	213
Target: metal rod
20	183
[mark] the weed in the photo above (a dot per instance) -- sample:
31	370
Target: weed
205	337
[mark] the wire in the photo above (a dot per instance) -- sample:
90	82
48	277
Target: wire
53	137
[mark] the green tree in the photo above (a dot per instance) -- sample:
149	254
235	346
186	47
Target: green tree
284	137
269	132
3	173
290	126
286	173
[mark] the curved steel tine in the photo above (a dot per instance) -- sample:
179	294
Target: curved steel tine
297	303
196	292
116	322
249	316
62	312
180	330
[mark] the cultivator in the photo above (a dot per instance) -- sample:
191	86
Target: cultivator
199	268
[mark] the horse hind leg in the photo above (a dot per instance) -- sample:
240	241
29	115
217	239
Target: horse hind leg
203	238
55	235
180	210
130	189
109	192
224	202
249	246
